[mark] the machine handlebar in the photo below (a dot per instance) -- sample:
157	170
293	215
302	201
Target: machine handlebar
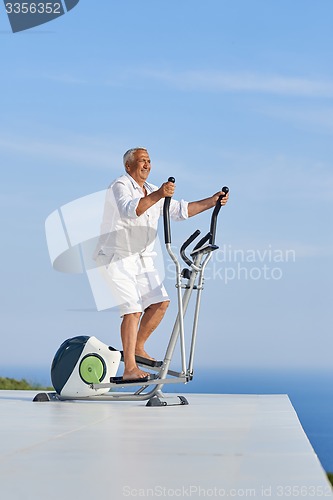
166	215
208	237
186	244
215	213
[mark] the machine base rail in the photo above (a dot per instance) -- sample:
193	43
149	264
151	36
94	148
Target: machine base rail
158	399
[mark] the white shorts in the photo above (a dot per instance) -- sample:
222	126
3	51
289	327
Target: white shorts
135	283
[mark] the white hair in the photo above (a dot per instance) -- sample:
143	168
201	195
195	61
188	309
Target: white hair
128	156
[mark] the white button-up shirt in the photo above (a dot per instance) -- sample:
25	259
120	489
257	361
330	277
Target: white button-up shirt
123	232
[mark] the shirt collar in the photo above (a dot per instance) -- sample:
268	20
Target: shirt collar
136	185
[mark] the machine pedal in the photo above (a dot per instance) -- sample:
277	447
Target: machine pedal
140	381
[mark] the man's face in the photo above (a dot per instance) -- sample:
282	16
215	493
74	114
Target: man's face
139	167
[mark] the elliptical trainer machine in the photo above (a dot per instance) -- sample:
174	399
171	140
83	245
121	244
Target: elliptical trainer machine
84	368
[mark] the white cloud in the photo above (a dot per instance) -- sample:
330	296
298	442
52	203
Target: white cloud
65	78
279	176
85	151
208	80
316	119
241	82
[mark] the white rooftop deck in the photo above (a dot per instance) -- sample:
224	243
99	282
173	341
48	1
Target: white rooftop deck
219	446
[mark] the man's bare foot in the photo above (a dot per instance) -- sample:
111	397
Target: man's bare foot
134	374
143	354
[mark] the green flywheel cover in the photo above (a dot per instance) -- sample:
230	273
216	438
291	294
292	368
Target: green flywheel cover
92	369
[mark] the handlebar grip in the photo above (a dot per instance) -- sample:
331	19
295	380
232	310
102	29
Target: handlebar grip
225	190
217	208
166	216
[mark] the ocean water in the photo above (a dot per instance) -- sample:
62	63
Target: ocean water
311	393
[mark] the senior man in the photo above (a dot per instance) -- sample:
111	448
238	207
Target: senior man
132	210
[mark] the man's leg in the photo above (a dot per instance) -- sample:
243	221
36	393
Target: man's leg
129	334
150	320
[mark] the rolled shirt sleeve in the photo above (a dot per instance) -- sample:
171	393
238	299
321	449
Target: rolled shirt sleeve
127	205
124	200
178	210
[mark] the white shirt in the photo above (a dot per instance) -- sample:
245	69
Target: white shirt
123	232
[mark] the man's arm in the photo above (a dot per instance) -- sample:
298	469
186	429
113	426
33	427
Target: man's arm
167	189
196	207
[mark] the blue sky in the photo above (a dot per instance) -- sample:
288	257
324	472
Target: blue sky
221	93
